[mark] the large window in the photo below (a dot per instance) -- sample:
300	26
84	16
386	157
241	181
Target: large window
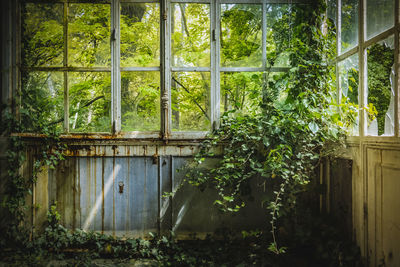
150	68
367	64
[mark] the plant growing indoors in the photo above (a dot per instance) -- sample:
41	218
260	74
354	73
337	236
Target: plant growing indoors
113	108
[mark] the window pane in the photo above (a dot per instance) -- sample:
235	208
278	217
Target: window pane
140	34
380	16
332	23
241	91
278	34
140	107
349	25
241	35
89	101
43	96
331	11
190	101
89	35
349	84
380	109
190	40
42	34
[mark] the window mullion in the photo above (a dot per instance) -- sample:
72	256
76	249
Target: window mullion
338	46
264	35
396	67
115	70
165	21
363	69
338	27
65	63
214	73
216	70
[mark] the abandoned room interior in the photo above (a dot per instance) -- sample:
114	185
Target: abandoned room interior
158	129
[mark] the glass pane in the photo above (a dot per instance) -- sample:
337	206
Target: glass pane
278	34
349	25
349	84
43	96
241	91
190	40
380	109
332	24
190	101
241	35
380	16
331	11
89	35
140	106
89	101
42	34
140	34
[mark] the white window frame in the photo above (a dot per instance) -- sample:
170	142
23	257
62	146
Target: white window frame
165	67
361	50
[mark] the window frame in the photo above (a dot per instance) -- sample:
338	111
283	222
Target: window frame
165	69
361	50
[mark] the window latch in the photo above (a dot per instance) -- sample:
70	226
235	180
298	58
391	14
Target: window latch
213	36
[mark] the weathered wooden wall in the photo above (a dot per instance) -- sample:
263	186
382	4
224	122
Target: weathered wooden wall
383	205
339	194
122	194
374	180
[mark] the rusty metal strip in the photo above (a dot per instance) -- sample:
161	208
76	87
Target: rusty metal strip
67	68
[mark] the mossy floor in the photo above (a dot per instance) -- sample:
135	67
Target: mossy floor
315	241
94	263
219	253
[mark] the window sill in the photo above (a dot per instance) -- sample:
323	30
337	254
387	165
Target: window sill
147	144
373	139
122	136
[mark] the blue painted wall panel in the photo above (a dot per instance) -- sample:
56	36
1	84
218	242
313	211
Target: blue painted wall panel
98	204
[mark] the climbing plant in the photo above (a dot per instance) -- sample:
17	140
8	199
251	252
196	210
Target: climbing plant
46	151
297	126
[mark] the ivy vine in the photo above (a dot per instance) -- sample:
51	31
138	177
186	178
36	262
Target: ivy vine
283	144
47	151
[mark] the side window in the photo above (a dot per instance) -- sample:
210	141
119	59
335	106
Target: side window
66	64
140	67
349	93
42	46
127	66
190	50
380	88
368	106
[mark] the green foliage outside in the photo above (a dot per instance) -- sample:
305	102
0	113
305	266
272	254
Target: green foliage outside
89	35
380	60
241	35
42	32
349	103
190	35
349	24
190	47
89	46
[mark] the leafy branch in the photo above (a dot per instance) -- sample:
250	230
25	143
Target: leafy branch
282	144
